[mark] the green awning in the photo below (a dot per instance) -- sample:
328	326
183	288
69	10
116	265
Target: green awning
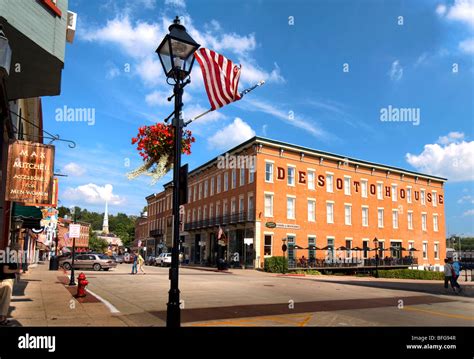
30	215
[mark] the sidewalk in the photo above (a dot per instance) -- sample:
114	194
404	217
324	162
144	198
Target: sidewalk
42	298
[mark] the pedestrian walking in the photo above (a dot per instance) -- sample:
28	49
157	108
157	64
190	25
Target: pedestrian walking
8	272
141	261
134	265
457	271
448	274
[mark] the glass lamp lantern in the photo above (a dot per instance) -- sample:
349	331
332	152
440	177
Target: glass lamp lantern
5	54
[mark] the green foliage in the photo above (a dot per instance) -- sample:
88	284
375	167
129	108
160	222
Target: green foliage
96	244
276	265
120	224
309	272
458	242
411	274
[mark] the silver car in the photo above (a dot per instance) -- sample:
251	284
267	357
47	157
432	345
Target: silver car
89	261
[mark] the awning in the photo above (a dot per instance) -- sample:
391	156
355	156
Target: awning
40	73
30	215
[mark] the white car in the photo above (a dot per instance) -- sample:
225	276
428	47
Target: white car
164	259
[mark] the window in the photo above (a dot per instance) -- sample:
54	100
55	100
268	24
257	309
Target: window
267	248
241	207
206	188
195	193
365	216
364	186
410	220
242	177
311	176
233	206
212	186
330	251
268	205
423	221
189	195
347	186
268	172
225	209
311	210
408	194
250	214
234	178
199	214
348	214
395	218
311	242
211	211
435	222
379	190
423	197
436	250
218	189
425	250
329	183
204	213
252	173
200	190
435	199
365	248
291	176
226	181
188	216
330	212
380	217
194	214
218	209
290	207
291	249
394	193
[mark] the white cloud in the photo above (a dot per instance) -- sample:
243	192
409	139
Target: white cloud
73	169
449	158
396	71
232	135
441	9
469	212
467	45
286	116
92	194
451	137
112	72
251	74
264	130
191	111
177	3
463	11
466	199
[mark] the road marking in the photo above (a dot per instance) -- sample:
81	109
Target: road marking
106	303
304	322
440	314
282	319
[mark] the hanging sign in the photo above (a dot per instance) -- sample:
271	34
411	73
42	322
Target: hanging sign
74	231
30	173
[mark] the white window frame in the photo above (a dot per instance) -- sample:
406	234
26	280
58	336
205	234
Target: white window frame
434	195
212	186
424	221
226	181
206	188
293	214
423	249
394	192
271	234
348	205
435	222
436	250
234	178
219	184
380	218
423	197
409	194
364	187
347	185
379	190
311	184
271	195
329	188
395	218
331	219
293	168
410	220
312	201
272	171
242	177
365	208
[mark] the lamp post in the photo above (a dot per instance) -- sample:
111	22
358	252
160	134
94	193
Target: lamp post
284	248
176	53
72	281
376	246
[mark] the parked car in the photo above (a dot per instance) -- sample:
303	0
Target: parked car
89	261
150	260
164	259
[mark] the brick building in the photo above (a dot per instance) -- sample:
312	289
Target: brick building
82	243
315	202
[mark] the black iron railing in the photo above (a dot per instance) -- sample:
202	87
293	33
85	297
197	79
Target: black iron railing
350	262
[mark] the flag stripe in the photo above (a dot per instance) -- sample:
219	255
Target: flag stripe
221	78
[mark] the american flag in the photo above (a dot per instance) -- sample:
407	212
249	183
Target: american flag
221	77
220	234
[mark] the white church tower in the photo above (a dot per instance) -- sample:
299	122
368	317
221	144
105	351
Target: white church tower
105	224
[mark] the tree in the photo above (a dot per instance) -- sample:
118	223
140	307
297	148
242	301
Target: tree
97	244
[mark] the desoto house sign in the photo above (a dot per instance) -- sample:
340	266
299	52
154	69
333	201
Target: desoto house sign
30	173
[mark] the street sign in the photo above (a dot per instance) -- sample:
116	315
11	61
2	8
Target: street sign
74	231
248	241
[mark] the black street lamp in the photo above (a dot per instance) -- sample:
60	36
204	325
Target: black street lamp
284	248
176	53
72	281
376	247
5	54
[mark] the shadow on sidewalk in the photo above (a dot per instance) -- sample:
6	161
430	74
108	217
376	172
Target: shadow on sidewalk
431	288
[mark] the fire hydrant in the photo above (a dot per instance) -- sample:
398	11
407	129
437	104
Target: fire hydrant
82	282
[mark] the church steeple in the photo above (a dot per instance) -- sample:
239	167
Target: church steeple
105	224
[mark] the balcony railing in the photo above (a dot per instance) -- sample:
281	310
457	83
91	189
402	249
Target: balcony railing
236	218
350	262
156	232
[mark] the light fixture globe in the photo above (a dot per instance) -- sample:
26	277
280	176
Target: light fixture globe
5	54
176	52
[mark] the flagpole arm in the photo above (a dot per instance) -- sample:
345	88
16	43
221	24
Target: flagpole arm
244	92
196	117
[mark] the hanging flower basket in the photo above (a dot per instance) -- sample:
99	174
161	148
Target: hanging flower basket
155	144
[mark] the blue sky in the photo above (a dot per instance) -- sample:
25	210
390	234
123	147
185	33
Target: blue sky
330	68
